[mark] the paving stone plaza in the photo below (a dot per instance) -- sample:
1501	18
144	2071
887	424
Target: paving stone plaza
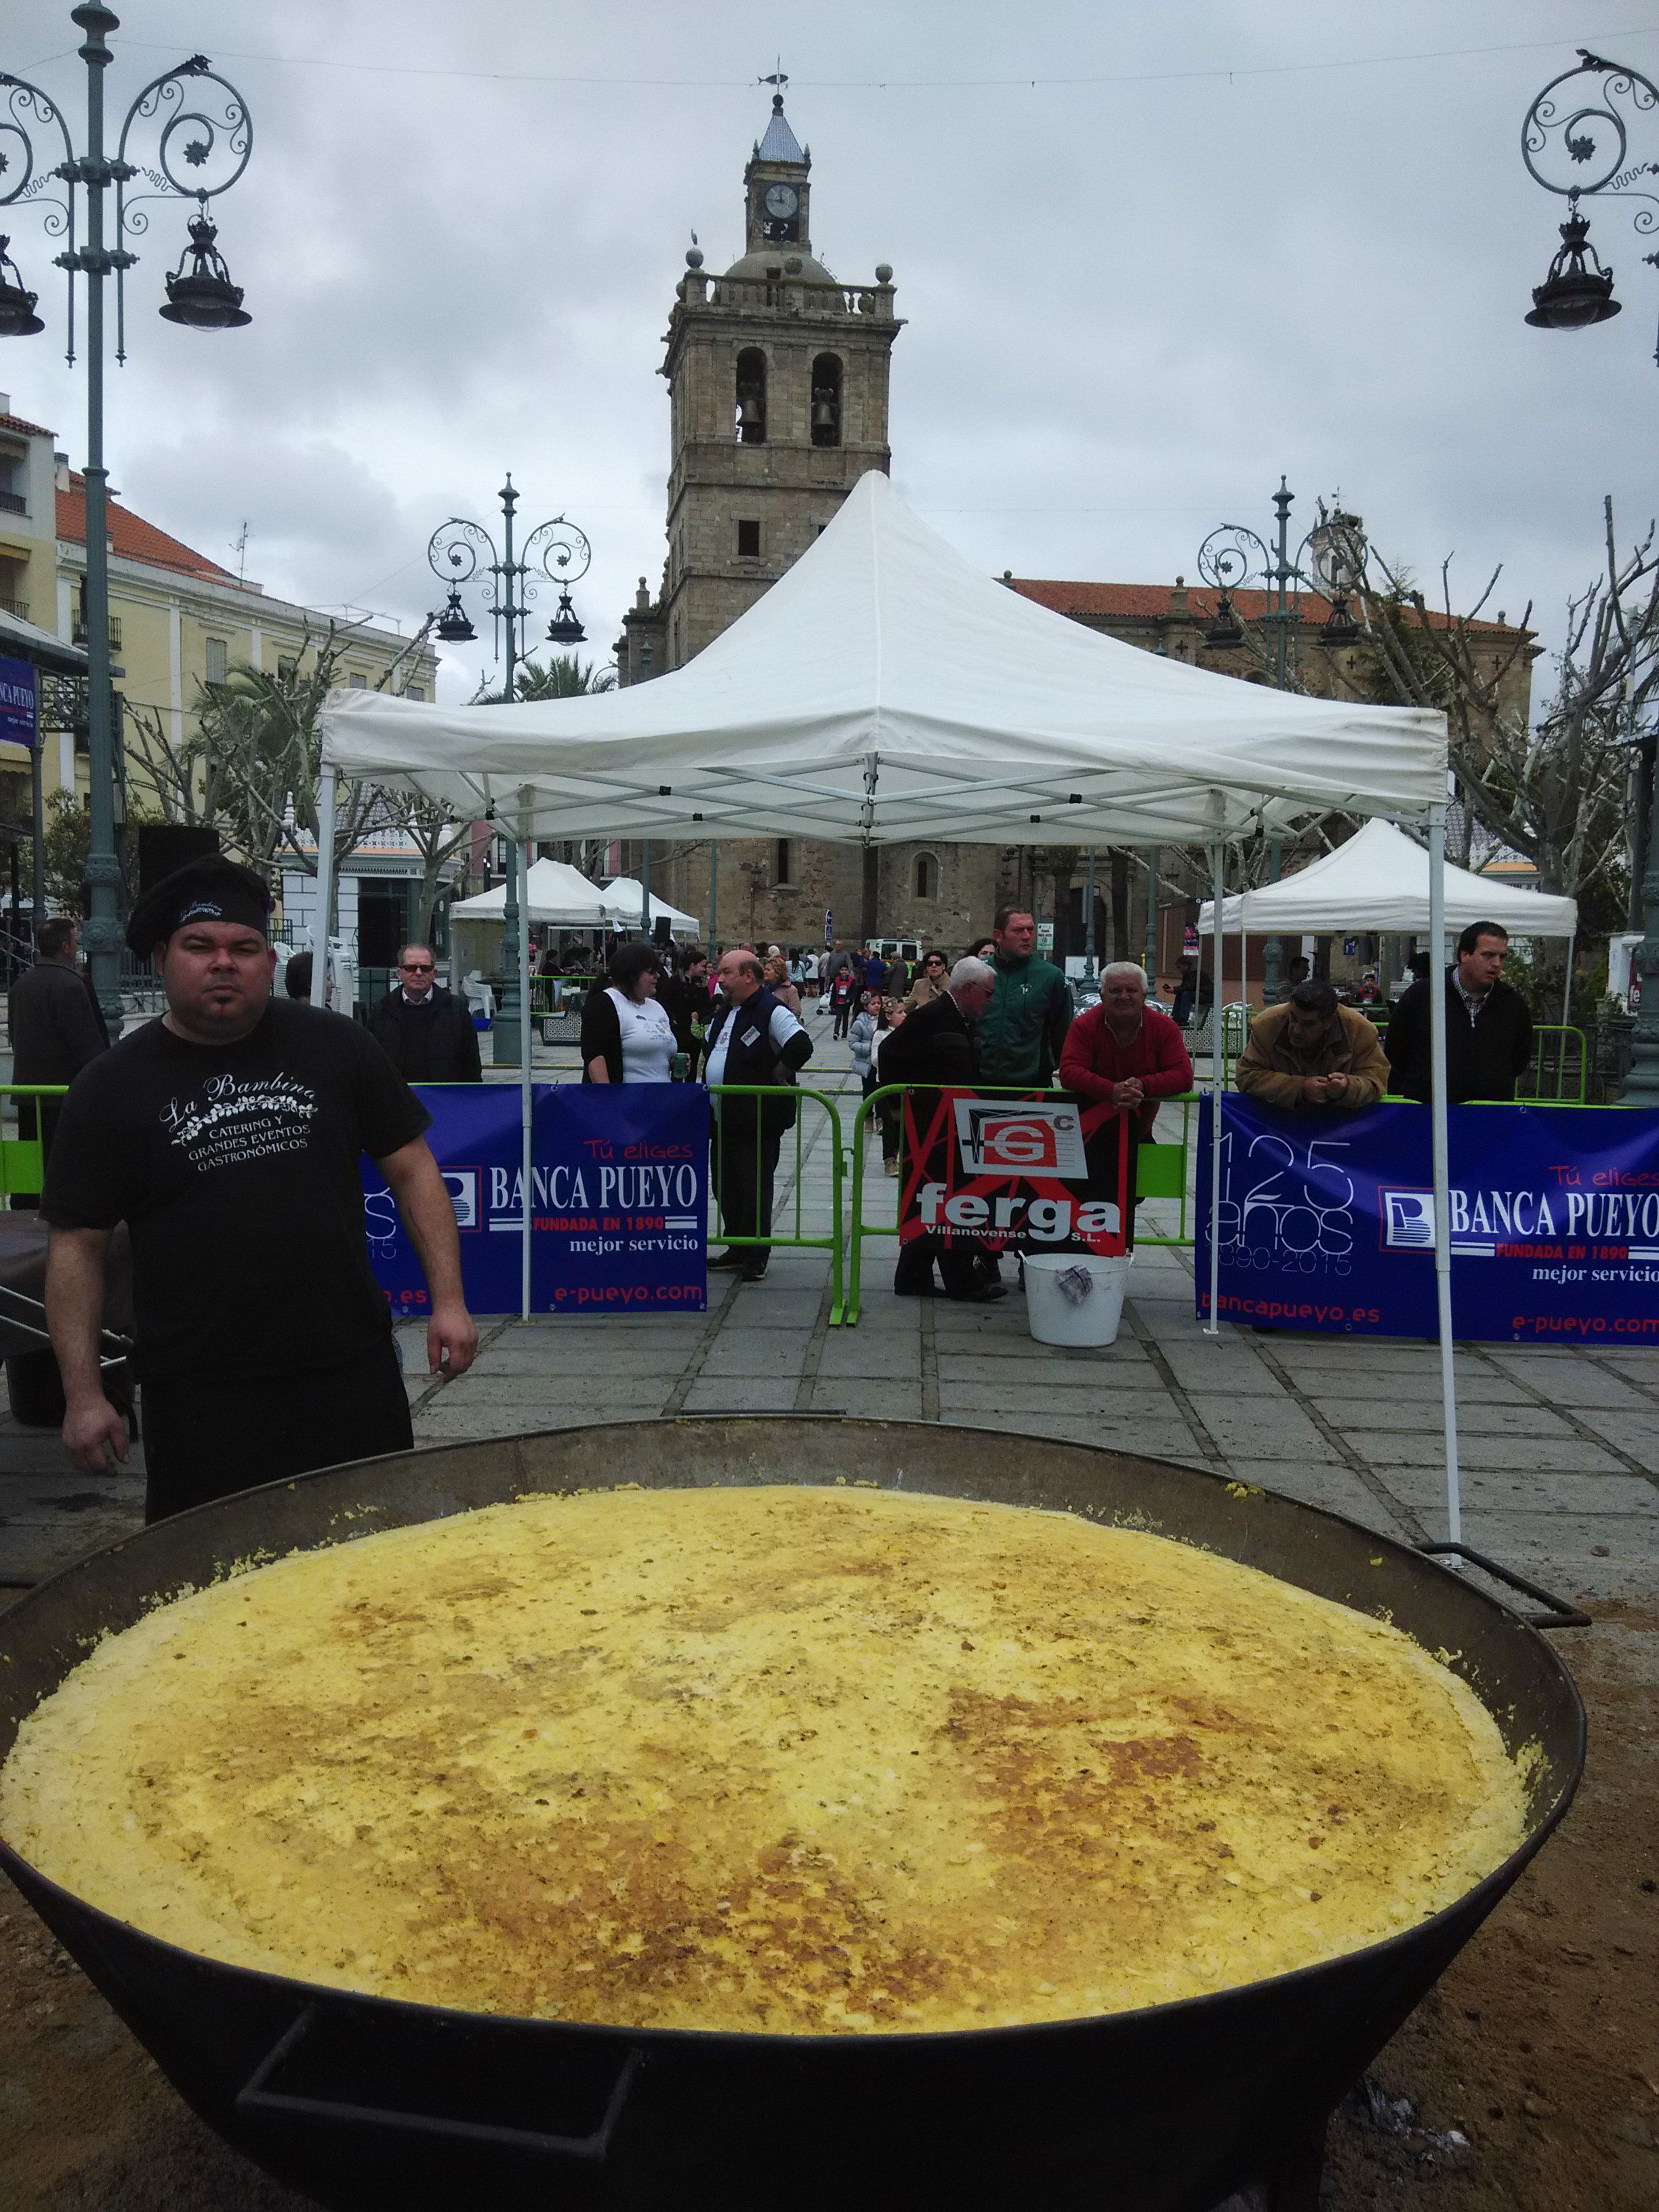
1559	1447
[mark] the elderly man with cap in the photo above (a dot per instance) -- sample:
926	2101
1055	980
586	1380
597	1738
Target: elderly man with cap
228	1135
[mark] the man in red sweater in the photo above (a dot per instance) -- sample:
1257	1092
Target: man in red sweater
1122	1056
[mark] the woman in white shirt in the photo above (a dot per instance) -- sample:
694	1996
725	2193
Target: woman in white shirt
626	1038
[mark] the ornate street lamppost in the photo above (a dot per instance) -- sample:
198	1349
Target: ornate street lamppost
1576	143
556	550
1642	1083
175	120
1326	561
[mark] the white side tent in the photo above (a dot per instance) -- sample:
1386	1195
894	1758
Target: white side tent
883	689
623	896
1379	881
559	896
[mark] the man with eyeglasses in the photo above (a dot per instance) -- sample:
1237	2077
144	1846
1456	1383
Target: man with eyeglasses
427	1031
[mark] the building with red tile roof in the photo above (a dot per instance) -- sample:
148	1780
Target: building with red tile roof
132	538
180	620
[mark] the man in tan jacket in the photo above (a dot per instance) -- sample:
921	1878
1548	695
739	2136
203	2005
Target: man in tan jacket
1312	1052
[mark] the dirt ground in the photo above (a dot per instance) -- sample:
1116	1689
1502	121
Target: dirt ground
1529	2081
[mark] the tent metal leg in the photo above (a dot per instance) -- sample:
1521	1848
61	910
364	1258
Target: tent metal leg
1438	1113
526	1049
1213	1326
319	976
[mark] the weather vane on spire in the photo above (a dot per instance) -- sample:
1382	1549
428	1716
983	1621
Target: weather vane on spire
778	79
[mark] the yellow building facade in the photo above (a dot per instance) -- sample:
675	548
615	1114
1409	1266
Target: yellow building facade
177	620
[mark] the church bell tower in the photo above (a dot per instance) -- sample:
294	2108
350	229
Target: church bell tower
777	382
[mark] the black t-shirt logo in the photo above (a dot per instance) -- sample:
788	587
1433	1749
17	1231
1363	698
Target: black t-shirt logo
228	1123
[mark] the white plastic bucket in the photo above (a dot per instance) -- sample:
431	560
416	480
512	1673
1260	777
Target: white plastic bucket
1075	1297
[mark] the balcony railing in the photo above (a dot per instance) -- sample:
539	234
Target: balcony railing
80	633
792	293
13	502
17	609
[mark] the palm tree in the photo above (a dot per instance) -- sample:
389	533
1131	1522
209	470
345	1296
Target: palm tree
564	676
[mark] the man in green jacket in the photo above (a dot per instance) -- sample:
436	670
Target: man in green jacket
1024	1028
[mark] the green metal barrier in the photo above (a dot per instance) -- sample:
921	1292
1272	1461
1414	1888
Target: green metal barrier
1165	1171
22	1168
1235	1036
1553	1066
833	1240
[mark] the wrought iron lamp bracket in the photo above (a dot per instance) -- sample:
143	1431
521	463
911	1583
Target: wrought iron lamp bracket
221	149
1577	144
26	103
219	153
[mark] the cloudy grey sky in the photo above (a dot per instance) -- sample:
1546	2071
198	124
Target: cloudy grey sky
1150	255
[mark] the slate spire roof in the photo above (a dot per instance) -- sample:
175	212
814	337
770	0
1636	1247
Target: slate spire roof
780	143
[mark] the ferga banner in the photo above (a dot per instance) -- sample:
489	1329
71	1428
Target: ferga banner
477	1139
1326	1222
621	1199
1007	1173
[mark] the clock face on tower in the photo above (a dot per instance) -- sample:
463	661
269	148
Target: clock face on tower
780	213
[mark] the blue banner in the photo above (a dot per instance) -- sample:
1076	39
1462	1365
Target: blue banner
619	1199
1326	1222
475	1138
19	694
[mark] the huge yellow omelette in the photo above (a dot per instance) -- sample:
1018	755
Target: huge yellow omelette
798	1760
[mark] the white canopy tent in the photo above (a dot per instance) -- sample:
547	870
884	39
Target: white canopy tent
623	898
559	896
1379	880
884	690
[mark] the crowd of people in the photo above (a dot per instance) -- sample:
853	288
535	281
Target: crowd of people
227	1135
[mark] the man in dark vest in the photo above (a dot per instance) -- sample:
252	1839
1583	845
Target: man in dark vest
753	1038
1488	1025
427	1031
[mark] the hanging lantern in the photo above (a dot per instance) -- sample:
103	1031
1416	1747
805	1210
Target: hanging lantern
1577	291
1225	632
453	625
203	297
1338	628
17	317
564	629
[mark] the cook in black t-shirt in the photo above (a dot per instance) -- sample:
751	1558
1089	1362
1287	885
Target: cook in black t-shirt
228	1135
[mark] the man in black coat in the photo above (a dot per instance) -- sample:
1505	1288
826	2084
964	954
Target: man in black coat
936	1045
55	1026
1488	1025
426	1031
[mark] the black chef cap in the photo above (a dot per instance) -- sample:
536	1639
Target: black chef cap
211	888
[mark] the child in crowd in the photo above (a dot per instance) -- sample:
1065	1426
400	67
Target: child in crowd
860	1036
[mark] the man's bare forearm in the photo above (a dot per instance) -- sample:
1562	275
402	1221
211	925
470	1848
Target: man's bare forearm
75	1307
428	1215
